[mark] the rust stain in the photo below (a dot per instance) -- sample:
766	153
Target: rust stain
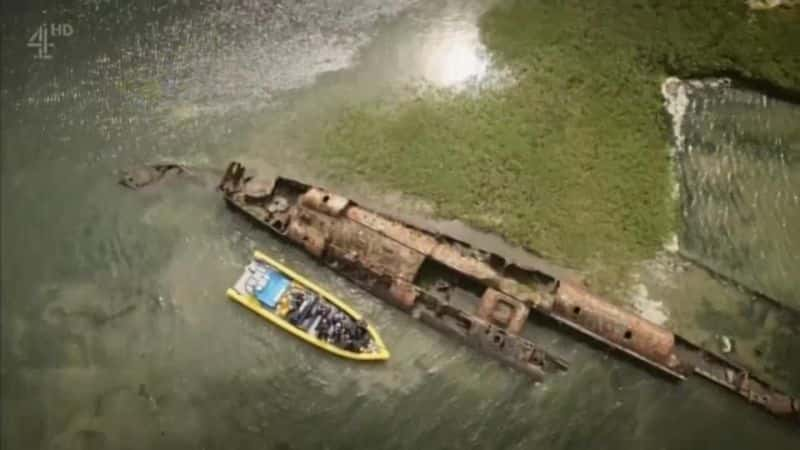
503	311
378	254
454	257
623	328
324	201
408	236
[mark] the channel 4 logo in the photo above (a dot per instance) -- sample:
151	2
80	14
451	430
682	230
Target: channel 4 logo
41	38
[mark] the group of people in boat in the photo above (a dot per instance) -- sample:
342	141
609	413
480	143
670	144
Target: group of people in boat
311	313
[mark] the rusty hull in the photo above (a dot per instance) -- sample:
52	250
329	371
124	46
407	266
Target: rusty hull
644	340
477	296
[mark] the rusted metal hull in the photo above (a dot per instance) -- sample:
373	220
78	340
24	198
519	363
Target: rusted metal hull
477	296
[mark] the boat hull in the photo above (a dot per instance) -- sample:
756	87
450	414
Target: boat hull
252	303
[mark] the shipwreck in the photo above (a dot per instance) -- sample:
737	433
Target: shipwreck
476	296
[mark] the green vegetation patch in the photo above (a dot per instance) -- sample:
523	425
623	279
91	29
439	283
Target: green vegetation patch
572	159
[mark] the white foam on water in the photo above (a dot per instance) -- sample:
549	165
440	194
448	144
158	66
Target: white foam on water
646	307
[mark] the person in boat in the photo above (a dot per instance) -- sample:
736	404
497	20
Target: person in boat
324	326
360	335
303	311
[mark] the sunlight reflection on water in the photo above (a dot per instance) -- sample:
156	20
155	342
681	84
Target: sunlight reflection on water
455	57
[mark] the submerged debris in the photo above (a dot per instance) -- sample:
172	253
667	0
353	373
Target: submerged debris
146	175
726	344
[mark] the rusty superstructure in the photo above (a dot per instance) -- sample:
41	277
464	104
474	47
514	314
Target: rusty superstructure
478	296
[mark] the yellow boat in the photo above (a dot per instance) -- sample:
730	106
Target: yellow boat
290	301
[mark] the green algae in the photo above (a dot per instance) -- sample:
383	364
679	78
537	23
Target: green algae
571	160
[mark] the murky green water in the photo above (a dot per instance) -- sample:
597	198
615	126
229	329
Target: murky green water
115	329
737	181
740	166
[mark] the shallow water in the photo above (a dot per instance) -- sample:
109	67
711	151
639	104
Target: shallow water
731	272
740	172
115	329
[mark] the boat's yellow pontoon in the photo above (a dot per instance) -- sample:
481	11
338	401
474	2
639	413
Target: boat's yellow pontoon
290	301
